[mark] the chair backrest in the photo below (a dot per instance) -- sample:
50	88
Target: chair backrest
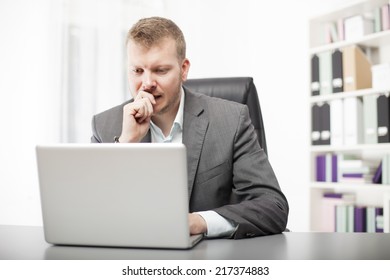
238	89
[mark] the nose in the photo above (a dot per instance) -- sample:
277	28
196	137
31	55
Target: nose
148	83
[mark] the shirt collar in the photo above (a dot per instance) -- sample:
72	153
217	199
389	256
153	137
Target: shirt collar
177	126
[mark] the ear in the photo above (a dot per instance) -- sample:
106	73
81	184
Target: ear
185	67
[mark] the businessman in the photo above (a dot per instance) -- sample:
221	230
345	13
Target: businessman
233	190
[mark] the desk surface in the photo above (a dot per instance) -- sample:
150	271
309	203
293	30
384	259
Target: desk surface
26	242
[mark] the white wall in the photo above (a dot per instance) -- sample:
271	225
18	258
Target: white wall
26	105
267	40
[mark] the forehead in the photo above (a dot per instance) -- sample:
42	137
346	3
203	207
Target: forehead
164	50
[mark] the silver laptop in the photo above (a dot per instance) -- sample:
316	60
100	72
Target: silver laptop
122	195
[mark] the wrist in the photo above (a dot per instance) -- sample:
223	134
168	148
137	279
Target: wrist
197	224
123	139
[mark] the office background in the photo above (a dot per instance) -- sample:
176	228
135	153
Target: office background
61	61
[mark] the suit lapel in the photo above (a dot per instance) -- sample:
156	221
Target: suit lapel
194	131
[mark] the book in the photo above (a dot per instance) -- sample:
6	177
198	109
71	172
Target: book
326	168
370	219
385	169
378	19
332	32
379	223
386	212
335	170
341	218
377	178
378	219
340	29
328	208
345	218
353	169
321	168
350	218
360	218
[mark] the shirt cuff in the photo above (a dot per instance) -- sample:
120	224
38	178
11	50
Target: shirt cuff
217	226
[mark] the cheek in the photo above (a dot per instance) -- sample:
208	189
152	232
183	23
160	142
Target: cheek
134	85
169	83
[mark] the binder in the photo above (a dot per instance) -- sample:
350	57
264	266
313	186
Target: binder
315	75
353	121
370	119
325	59
337	71
356	69
336	122
315	125
325	124
383	118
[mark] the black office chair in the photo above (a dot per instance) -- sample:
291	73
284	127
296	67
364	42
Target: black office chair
241	90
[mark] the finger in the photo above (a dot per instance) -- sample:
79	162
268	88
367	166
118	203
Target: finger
144	110
143	94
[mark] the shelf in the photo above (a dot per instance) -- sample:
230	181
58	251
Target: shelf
349	186
346	10
341	95
360	147
373	40
377	50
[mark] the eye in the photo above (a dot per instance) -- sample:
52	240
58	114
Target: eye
137	71
161	71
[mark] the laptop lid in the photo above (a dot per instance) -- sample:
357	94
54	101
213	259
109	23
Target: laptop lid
127	195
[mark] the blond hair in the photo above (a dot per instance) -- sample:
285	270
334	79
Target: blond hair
150	31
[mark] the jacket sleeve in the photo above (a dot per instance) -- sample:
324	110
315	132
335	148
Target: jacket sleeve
95	137
259	207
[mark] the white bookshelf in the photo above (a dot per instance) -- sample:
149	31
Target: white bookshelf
378	46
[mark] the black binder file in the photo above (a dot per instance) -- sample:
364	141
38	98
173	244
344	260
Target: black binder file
325	124
315	75
383	115
337	71
315	125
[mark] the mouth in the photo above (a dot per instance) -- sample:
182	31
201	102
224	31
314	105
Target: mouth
157	97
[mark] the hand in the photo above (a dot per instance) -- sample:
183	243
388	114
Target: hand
197	224
136	118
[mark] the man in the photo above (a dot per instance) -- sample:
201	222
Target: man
233	189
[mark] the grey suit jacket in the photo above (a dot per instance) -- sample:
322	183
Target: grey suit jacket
228	172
